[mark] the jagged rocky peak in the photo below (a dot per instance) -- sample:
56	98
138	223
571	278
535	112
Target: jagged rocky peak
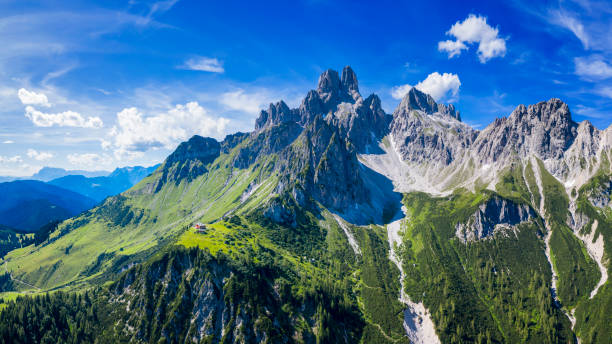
332	90
275	114
417	100
329	82
553	112
338	101
495	215
545	129
587	140
349	80
425	132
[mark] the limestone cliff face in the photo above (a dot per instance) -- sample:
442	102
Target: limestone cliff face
324	165
495	215
423	131
545	129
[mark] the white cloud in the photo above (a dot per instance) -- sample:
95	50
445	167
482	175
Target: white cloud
440	86
204	64
135	133
605	91
453	48
8	142
593	67
62	119
32	98
89	160
398	92
40	156
247	102
474	29
590	112
12	159
564	19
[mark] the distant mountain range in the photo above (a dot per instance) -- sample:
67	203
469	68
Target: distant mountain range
100	187
46	174
26	205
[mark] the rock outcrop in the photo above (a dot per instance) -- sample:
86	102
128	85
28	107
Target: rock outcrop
494	215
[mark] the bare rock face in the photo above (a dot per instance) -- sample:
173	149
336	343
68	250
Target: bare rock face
423	131
270	140
324	165
361	121
417	100
276	114
600	196
545	130
337	99
496	214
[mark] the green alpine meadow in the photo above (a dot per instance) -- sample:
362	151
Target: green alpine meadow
305	172
335	222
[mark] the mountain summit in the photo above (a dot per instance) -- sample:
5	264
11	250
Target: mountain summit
335	222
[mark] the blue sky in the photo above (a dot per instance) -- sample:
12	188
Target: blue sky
100	84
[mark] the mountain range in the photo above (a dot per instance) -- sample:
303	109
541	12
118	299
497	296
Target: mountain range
335	222
26	205
100	187
46	174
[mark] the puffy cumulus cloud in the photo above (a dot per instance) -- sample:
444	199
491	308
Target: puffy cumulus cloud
240	100
134	133
40	156
10	159
62	119
592	67
89	159
440	86
204	64
474	29
32	98
453	48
